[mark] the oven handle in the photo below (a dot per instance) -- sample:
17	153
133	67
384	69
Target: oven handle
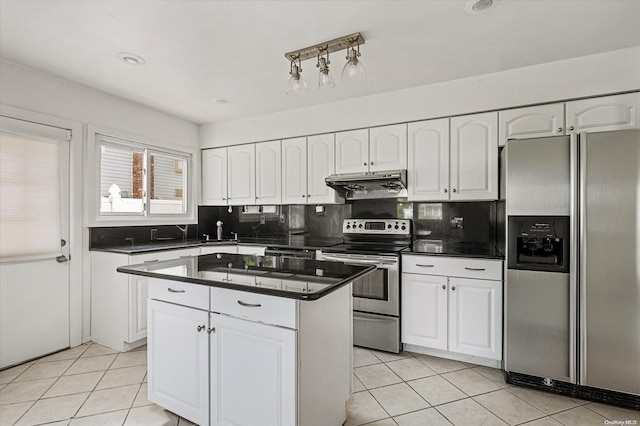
348	261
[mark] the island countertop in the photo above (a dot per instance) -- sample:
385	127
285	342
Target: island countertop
300	279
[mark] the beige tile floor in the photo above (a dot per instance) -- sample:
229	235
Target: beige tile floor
93	385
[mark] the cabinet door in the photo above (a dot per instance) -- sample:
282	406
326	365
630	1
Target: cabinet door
428	161
531	122
242	174
178	360
294	171
138	291
388	148
605	113
475	317
424	310
352	151
268	173
214	176
252	365
321	154
474	157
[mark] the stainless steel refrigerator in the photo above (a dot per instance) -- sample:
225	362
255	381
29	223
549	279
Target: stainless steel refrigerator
572	306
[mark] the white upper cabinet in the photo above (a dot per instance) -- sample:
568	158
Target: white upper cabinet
388	148
605	113
372	150
531	122
352	151
428	161
321	156
241	163
268	173
214	176
474	157
294	171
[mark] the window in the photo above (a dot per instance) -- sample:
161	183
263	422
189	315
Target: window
141	180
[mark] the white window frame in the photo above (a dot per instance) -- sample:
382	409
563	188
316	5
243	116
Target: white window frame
150	147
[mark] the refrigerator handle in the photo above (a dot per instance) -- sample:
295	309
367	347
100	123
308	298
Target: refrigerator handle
575	211
581	253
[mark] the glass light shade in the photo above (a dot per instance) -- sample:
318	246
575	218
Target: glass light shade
353	70
325	80
297	86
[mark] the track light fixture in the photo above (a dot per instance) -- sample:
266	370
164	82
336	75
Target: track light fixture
353	70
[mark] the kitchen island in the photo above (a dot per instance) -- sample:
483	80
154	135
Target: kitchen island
247	340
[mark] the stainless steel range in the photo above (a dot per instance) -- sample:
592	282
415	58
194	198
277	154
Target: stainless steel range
376	297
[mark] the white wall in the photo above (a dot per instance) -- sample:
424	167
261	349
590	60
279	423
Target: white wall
611	72
32	90
29	94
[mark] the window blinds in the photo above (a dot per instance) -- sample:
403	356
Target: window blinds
29	197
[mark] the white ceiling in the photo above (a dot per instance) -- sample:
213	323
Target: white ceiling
200	51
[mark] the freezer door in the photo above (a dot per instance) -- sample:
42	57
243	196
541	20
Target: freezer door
538	325
538	176
610	260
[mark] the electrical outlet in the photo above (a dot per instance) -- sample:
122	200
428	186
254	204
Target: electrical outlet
456	223
262	220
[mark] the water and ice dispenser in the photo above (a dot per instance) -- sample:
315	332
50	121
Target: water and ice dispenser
539	243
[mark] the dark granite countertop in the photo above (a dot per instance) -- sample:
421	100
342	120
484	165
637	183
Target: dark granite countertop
455	249
297	241
321	278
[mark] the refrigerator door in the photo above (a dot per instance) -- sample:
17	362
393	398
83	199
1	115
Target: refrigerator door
539	325
610	260
538	176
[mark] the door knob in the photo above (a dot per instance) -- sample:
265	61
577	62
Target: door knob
200	328
444	287
62	259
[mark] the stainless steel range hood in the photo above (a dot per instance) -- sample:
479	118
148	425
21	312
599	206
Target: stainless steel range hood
369	185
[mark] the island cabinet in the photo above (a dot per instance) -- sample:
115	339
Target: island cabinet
453	306
219	356
118	301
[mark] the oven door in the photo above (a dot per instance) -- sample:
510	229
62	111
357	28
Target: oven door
377	292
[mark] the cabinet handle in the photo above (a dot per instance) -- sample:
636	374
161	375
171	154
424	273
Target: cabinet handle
223	198
454	190
453	288
249	305
559	129
185	257
150	261
175	291
211	330
424	266
303	195
308	195
445	190
474	269
365	163
572	128
444	287
200	328
371	163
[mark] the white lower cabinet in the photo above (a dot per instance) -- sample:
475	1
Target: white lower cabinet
253	373
475	317
119	301
249	359
443	311
424	306
178	360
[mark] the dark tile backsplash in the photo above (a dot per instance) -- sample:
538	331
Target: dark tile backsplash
125	235
456	222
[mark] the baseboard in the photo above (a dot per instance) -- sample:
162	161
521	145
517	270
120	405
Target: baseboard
487	362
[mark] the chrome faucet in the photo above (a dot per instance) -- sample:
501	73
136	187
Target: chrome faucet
184	231
235	236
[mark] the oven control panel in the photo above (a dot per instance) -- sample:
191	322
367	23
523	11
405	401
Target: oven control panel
377	226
